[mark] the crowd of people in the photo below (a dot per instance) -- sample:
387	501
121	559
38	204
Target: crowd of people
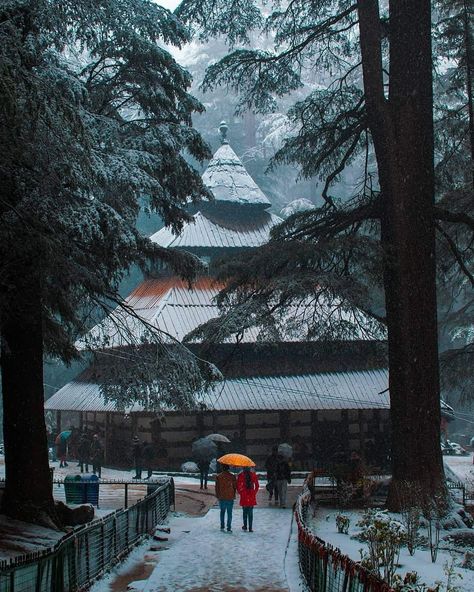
88	450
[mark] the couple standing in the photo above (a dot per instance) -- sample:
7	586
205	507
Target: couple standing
247	486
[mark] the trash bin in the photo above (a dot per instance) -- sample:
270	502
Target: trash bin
91	489
73	488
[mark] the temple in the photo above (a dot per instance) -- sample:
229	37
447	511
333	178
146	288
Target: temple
323	397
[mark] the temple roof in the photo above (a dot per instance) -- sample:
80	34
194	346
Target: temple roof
327	390
204	232
229	181
172	306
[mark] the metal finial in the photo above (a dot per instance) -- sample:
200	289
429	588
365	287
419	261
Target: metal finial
223	132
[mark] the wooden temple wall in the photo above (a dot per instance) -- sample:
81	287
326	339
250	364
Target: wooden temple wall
324	434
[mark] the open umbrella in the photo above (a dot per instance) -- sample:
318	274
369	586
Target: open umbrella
204	449
236	460
285	450
63	436
218	438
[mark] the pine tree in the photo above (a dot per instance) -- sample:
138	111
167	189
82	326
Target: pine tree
380	106
94	115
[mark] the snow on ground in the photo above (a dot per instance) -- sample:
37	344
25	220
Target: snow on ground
18	538
462	467
324	526
201	557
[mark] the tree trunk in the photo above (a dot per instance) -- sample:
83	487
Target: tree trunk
28	490
408	231
402	131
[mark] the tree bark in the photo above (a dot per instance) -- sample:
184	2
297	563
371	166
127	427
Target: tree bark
402	131
28	492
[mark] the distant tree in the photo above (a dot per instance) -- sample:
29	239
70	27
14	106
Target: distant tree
380	105
94	114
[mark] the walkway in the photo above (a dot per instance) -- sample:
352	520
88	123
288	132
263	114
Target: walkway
202	558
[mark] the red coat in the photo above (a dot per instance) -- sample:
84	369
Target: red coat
248	497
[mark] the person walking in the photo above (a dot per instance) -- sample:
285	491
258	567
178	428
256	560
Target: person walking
283	478
148	456
84	451
203	472
61	451
137	453
271	467
247	486
97	455
226	486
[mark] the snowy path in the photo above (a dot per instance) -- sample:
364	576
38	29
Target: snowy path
202	558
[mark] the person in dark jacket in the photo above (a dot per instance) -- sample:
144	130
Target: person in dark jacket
283	478
271	466
247	486
226	486
137	453
203	466
97	455
148	457
84	451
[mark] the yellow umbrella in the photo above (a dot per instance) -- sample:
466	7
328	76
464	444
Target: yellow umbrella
236	460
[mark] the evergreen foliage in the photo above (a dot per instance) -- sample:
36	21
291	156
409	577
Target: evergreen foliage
94	114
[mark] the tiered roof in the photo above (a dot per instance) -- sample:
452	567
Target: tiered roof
230	182
204	233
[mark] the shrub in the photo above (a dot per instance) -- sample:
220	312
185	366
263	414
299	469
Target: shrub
384	537
343	522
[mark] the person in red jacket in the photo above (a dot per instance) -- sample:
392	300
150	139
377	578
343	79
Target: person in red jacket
247	486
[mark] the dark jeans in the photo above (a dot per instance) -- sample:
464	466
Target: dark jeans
226	506
248	516
273	489
138	470
204	476
82	463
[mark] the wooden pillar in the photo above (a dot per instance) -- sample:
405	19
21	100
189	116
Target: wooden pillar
284	417
58	422
200	424
314	437
106	435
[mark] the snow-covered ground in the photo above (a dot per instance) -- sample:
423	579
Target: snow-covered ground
198	557
462	467
324	525
201	557
18	538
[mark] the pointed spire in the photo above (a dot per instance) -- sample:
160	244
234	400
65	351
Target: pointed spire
223	127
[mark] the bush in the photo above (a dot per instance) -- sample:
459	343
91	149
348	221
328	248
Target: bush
384	537
343	522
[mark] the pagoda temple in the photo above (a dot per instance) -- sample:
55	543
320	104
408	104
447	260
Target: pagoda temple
320	396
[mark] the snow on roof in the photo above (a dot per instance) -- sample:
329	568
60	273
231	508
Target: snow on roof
229	181
172	306
329	390
204	233
168	304
297	206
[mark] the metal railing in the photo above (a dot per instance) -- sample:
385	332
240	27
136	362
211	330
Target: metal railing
83	555
324	567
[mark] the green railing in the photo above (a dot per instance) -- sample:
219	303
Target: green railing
324	567
86	553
